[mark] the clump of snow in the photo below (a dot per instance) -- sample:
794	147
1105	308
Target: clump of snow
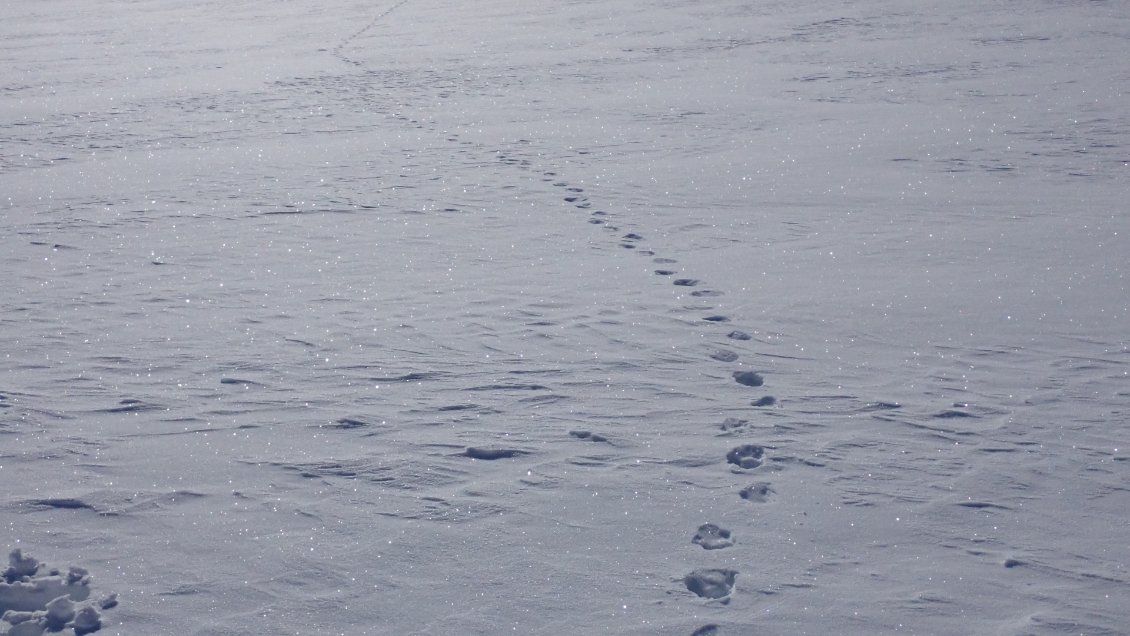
35	600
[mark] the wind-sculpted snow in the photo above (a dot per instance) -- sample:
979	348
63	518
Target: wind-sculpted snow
437	317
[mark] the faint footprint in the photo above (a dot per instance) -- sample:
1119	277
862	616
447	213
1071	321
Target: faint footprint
592	437
705	293
746	456
686	282
739	335
731	424
724	355
714	584
717	319
712	537
665	272
768	400
708	630
757	492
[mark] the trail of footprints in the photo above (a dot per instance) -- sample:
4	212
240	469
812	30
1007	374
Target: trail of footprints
707	583
711	584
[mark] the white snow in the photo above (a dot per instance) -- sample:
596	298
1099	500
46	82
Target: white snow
627	317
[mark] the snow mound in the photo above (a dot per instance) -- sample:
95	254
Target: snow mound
35	600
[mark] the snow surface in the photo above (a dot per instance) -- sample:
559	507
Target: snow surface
625	317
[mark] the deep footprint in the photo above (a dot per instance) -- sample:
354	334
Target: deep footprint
711	583
712	537
746	456
748	378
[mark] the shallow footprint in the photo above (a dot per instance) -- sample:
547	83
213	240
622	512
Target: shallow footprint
768	400
724	355
717	319
706	293
746	456
708	630
712	537
732	424
711	583
739	335
491	454
757	492
592	437
686	282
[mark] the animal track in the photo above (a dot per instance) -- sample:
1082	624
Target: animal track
712	537
748	378
491	454
592	437
757	492
709	583
732	424
746	456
